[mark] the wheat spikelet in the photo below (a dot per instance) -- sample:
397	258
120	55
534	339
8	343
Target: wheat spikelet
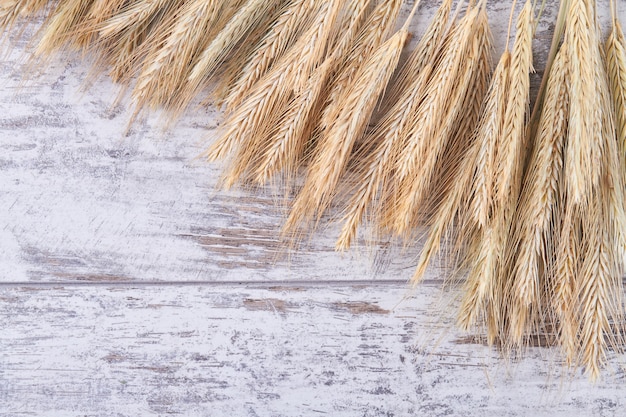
538	201
165	66
282	35
335	148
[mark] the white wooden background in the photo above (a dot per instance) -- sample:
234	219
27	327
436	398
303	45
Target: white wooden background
130	286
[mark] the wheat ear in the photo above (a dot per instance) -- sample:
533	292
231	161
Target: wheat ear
133	14
489	134
388	133
271	93
285	149
416	195
334	150
165	67
427	121
424	53
485	290
600	286
538	201
509	159
616	68
584	118
60	24
282	35
243	22
376	30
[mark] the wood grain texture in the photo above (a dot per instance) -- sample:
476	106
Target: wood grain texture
246	351
130	286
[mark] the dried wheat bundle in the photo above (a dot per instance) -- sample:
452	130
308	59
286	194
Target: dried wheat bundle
532	203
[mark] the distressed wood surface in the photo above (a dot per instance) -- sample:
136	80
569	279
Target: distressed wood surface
131	286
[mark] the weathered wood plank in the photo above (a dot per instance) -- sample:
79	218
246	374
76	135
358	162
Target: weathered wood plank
345	351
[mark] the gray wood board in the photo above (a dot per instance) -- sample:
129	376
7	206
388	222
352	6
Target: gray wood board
248	351
130	285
